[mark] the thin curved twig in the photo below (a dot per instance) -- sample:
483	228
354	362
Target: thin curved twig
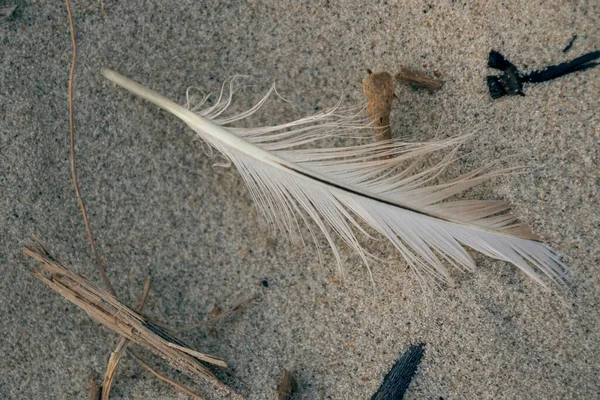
73	169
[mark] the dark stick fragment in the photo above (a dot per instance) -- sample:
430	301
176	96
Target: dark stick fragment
510	81
396	382
287	386
555	71
570	44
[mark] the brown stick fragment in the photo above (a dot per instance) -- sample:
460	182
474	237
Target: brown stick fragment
104	308
287	386
418	80
166	379
379	89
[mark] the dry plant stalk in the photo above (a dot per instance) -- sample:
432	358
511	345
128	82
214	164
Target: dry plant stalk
95	391
86	222
117	354
418	80
104	308
111	367
379	89
166	379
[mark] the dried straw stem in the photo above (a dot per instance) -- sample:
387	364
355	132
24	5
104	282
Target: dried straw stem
104	308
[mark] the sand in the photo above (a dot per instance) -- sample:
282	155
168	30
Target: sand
159	206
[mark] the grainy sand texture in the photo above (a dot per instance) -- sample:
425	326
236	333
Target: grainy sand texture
158	205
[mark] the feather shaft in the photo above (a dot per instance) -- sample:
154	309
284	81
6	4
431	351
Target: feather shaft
223	135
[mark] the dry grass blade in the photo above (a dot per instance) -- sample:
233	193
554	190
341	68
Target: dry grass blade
117	354
144	297
104	308
72	147
111	368
200	356
68	285
166	379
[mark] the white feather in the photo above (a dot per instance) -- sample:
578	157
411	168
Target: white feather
340	188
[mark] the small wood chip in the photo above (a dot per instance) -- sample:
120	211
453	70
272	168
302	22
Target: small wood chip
287	386
419	80
379	89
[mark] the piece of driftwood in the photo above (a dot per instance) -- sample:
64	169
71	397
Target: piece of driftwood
104	308
396	382
379	89
418	80
287	386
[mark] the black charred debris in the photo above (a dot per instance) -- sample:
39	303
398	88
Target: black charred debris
510	81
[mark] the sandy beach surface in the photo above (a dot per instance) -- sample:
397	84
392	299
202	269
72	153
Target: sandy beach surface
158	205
